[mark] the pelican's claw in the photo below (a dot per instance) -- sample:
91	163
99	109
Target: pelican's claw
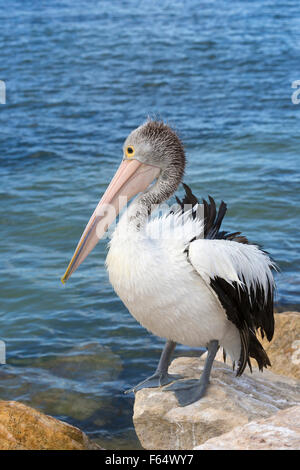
188	391
155	380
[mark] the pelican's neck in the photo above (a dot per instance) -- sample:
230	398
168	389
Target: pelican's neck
139	211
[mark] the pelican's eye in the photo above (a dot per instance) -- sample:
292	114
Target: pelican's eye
129	151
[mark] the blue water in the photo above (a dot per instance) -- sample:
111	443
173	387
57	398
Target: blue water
79	77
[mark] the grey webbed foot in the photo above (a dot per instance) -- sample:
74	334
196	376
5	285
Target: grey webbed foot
156	380
188	391
160	376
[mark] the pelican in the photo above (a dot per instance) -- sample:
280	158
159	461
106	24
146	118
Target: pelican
178	274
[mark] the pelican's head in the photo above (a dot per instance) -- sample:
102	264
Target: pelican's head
152	151
154	143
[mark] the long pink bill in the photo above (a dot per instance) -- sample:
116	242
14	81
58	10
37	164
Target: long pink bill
131	178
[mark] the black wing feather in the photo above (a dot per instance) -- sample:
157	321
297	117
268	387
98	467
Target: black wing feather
212	219
249	312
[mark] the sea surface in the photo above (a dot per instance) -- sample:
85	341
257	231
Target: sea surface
79	77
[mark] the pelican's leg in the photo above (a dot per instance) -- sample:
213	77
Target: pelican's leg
160	376
189	391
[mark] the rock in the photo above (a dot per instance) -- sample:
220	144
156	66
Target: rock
231	401
284	349
63	402
23	428
280	432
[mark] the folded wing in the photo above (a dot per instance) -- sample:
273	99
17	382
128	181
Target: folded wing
239	274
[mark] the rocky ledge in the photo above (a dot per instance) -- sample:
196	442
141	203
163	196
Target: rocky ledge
23	428
231	403
279	432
